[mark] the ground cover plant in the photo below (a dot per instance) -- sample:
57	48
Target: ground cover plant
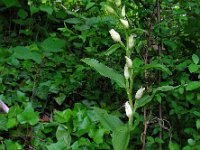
112	74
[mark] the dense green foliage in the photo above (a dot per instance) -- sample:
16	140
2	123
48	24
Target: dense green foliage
62	75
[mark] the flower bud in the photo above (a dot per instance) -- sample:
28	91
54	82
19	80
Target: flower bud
128	110
126	72
123	13
115	35
131	41
129	62
118	2
139	93
125	23
110	9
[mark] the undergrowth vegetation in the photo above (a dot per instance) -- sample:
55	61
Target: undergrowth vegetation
90	75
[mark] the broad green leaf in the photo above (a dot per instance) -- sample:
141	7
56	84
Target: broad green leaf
53	45
198	124
63	134
120	138
193	85
60	99
97	135
46	9
166	88
193	68
12	122
173	146
106	71
60	145
110	122
195	58
22	13
144	100
21	52
34	9
3	122
28	116
10	3
10	145
157	66
63	116
111	50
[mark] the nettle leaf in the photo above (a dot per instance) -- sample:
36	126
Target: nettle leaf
106	71
120	138
193	85
53	45
28	116
110	122
195	58
21	52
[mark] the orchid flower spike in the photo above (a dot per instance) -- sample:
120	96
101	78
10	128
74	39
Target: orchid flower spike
128	110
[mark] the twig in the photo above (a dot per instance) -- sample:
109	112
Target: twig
4	107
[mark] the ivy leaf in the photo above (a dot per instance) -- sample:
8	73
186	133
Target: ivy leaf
120	138
28	116
60	145
106	71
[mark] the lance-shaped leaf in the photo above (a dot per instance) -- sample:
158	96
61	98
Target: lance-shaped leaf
110	122
157	66
106	71
120	138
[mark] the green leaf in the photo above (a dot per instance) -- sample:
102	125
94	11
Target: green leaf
10	145
166	88
193	68
120	138
60	145
53	45
63	116
21	52
109	122
173	146
144	100
195	58
63	134
3	122
111	50
34	10
157	66
22	14
106	71
28	116
46	9
60	99
198	124
10	3
97	135
193	85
